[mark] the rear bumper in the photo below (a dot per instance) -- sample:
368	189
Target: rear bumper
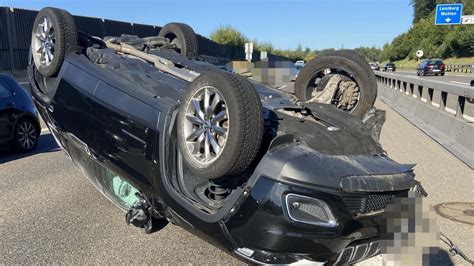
433	71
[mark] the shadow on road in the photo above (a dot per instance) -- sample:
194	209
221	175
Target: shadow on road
46	143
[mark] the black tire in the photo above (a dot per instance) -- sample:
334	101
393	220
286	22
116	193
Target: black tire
358	58
183	36
26	135
244	126
65	36
356	68
442	74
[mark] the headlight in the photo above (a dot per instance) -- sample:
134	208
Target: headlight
309	210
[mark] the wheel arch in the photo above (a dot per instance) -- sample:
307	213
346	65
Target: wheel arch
27	116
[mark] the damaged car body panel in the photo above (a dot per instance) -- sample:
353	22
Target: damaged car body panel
315	188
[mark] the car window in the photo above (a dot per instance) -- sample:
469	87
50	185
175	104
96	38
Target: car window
4	90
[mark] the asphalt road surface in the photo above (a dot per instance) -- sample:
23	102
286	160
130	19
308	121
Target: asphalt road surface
51	213
449	77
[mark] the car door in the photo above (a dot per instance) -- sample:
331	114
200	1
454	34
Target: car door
122	134
7	105
70	112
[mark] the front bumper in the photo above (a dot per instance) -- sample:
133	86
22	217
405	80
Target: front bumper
265	234
262	231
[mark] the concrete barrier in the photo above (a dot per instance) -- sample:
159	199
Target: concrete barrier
443	111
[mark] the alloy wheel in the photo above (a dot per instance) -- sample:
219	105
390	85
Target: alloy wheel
206	125
44	42
27	135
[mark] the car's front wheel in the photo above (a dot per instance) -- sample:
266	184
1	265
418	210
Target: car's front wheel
220	125
343	79
26	135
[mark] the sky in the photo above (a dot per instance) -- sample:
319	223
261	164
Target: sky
316	24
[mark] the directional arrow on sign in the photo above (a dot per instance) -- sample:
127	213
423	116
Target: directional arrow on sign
447	20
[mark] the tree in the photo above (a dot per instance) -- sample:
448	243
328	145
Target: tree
372	54
229	36
263	46
422	8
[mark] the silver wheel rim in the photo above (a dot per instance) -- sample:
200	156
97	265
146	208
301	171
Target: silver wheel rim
44	42
206	125
27	135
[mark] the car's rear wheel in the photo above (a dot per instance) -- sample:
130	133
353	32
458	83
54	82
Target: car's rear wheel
183	38
54	31
220	125
26	135
353	85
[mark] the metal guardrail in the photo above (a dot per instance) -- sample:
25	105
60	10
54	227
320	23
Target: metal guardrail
443	111
460	68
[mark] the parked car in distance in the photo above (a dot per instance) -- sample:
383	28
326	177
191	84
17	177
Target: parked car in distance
374	66
299	64
431	67
390	67
19	123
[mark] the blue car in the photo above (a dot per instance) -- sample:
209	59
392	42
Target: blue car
19	122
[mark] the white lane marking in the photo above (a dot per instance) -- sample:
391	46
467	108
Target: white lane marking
457	82
23	82
447	73
44	130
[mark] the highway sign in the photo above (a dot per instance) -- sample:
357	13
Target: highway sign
467	19
419	53
248	51
249	47
448	14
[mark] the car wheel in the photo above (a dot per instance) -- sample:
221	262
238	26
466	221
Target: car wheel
26	135
182	36
54	31
353	69
358	58
220	125
442	74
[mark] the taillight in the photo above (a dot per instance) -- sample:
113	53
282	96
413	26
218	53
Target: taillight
442	66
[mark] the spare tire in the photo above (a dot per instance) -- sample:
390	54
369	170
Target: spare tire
352	68
219	125
54	32
182	36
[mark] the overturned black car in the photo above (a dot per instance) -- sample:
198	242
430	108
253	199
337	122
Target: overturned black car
266	176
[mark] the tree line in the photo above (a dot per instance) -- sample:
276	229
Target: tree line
435	41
